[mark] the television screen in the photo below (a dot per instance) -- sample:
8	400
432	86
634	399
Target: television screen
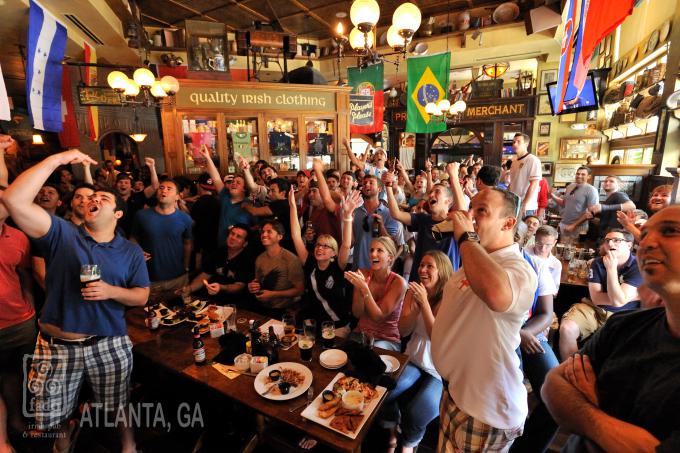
587	100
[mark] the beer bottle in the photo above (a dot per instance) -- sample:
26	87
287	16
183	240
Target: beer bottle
199	348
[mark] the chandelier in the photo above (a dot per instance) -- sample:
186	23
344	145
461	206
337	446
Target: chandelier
143	89
495	70
364	15
444	110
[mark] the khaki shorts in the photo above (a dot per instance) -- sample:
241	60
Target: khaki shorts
587	316
164	290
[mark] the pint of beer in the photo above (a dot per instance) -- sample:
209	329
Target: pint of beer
89	273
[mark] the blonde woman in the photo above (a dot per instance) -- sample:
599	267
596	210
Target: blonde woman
324	298
379	295
414	402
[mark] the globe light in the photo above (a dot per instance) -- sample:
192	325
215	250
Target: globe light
117	80
394	39
364	14
131	88
444	105
357	40
407	19
143	77
170	84
459	106
157	90
430	108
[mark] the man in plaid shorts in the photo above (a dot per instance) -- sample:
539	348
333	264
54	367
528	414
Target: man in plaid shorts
476	332
83	335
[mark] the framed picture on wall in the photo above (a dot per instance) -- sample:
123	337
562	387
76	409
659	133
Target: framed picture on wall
544	130
542	148
547	76
544	105
579	148
565	173
547	168
568	118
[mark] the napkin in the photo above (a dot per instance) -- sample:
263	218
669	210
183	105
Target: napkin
278	327
226	370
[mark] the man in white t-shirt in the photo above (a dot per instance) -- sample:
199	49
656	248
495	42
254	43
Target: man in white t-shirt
546	238
476	331
525	175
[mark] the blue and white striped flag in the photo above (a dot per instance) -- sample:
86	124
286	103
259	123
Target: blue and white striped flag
46	45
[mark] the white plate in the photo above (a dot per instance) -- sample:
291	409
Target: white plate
391	362
333	359
262	381
165	322
310	413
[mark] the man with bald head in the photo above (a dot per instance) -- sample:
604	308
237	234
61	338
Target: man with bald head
622	391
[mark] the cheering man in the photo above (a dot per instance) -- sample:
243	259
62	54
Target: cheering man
80	326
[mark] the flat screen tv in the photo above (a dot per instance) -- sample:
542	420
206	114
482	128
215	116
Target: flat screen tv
587	100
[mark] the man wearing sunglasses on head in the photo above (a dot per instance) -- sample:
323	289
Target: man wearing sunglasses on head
612	283
578	197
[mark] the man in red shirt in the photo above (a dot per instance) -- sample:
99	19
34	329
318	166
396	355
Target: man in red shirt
17	318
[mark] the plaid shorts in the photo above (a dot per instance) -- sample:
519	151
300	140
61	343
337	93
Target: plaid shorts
459	432
57	373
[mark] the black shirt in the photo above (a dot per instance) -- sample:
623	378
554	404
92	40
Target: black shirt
206	214
134	203
281	212
637	363
225	271
330	285
608	218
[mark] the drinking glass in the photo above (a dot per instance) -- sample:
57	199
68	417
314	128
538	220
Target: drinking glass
288	323
309	328
306	344
89	273
328	334
230	322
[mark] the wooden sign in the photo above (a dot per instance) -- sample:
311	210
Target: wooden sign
254	98
487	88
360	110
499	110
97	96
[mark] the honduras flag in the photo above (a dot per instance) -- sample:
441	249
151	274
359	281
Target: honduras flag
46	44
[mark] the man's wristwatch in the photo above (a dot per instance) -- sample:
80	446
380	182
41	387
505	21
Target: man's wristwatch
468	236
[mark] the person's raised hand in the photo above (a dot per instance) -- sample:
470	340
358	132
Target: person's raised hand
462	222
150	162
428	164
74	156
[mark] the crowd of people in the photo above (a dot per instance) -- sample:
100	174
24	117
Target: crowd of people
452	265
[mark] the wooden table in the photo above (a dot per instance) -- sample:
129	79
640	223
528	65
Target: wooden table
570	292
171	348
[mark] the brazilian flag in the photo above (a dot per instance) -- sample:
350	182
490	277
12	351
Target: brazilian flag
428	79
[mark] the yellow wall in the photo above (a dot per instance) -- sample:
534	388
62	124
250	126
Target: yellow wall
646	17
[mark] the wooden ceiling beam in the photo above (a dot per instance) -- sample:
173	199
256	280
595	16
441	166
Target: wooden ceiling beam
312	14
155	19
301	13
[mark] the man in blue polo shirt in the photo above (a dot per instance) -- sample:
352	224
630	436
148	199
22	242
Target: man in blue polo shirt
80	326
613	287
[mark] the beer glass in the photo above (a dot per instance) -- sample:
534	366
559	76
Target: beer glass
89	273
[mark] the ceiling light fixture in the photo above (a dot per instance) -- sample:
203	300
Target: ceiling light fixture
364	15
495	70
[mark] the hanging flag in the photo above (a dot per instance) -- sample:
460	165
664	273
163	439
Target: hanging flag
366	101
565	54
5	114
91	80
426	79
598	19
46	44
69	137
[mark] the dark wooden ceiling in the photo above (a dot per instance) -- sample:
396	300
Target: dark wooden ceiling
309	18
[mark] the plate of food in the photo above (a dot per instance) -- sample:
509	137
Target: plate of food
283	381
172	320
345	405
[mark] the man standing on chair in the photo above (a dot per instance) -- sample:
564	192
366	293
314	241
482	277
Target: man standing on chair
80	325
